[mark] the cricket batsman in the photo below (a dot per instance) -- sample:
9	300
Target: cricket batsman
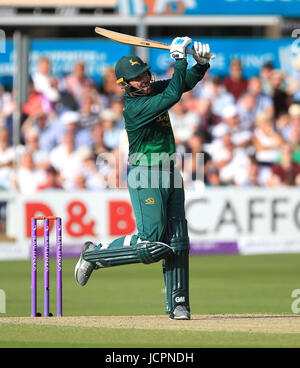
156	197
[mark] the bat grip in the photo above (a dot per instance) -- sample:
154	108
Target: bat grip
191	52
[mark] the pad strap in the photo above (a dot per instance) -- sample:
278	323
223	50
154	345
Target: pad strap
143	252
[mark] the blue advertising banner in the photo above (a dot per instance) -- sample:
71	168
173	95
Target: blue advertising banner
6	64
203	7
63	54
253	53
98	55
243	7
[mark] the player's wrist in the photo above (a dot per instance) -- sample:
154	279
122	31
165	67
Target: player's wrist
202	67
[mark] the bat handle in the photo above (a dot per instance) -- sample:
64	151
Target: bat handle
191	52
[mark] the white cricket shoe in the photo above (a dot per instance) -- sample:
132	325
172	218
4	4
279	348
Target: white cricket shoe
83	269
180	313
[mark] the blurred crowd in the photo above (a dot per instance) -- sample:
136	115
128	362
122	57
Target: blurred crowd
73	137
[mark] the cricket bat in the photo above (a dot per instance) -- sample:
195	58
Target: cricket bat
138	41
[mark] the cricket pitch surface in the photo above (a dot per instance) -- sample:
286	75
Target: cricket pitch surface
263	323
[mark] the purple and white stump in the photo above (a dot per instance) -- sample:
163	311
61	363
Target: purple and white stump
59	266
33	267
46	267
46	256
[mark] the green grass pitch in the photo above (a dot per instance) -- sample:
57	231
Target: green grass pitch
231	284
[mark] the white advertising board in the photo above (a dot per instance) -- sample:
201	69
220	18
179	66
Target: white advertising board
220	220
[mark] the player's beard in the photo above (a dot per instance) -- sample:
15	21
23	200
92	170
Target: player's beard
145	89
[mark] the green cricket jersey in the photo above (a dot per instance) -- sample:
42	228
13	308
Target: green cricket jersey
147	120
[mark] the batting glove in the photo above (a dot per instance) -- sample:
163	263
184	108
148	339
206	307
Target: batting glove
178	47
201	52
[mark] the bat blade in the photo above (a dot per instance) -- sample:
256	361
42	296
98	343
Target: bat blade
131	40
137	41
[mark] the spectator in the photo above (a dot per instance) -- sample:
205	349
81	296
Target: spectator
184	122
6	106
217	93
28	178
44	82
117	106
71	122
3	96
235	83
231	123
111	132
195	160
212	176
291	132
228	158
114	172
7	176
94	179
110	88
7	159
287	171
281	99
295	77
252	174
190	102
88	112
265	75
282	125
66	101
48	127
247	111
169	71
207	120
36	103
52	180
200	90
66	160
250	177
98	142
7	153
296	155
203	108
40	157
76	83
242	128
263	102
79	182
266	141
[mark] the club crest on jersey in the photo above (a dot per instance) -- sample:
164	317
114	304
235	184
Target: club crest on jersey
149	200
133	62
164	120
